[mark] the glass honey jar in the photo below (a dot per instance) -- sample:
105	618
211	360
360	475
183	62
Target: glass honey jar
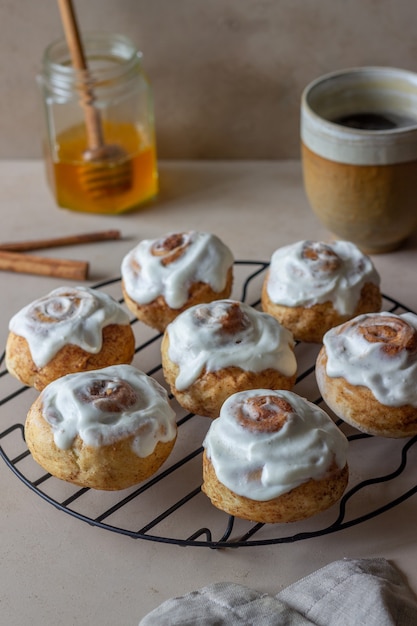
119	172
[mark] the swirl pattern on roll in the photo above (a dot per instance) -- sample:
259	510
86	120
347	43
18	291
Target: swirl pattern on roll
169	265
106	405
266	443
227	333
307	273
67	315
377	351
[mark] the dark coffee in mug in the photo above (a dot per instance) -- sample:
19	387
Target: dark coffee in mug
375	121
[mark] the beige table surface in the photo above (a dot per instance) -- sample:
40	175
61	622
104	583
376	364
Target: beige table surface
56	569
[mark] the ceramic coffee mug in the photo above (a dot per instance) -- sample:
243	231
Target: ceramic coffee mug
359	154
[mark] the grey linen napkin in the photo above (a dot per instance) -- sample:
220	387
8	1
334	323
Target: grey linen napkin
349	592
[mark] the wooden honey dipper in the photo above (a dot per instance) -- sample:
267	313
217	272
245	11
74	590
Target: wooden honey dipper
107	169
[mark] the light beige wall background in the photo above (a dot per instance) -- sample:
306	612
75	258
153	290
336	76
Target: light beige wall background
227	74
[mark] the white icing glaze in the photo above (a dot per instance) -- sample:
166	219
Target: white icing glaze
67	315
82	404
204	258
298	281
264	465
391	378
197	341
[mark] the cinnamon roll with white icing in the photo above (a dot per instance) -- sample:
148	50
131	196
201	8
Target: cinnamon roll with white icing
272	457
367	373
311	287
107	429
213	350
71	329
163	277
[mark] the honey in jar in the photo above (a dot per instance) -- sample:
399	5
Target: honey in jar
122	97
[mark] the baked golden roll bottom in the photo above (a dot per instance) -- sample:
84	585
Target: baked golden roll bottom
273	457
313	286
310	323
214	350
158	314
70	329
310	498
163	277
118	346
108	429
207	394
367	373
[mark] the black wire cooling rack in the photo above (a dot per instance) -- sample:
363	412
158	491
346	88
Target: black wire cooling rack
170	507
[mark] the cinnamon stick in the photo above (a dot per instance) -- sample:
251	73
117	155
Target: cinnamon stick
43	266
70	240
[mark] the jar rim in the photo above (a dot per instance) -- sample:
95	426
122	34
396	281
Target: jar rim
120	52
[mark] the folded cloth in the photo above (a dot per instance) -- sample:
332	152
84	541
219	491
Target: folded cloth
349	592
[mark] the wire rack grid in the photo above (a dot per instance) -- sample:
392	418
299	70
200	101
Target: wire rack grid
170	507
